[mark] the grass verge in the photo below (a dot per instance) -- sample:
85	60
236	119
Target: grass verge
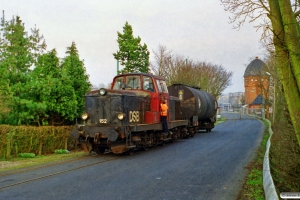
220	120
17	163
253	186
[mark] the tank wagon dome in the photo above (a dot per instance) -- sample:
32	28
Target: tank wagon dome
255	68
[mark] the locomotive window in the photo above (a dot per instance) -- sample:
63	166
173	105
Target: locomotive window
118	83
158	85
133	82
148	84
162	86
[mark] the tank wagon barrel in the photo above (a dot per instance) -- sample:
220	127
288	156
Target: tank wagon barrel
195	102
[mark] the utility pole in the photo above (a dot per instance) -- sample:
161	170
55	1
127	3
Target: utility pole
117	67
274	96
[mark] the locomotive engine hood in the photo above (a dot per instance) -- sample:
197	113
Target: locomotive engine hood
107	106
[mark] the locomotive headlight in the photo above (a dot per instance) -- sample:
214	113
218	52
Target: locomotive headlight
102	91
84	116
121	116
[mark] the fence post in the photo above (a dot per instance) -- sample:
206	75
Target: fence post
8	149
66	144
241	113
40	148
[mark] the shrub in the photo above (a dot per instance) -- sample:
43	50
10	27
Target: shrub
61	151
26	155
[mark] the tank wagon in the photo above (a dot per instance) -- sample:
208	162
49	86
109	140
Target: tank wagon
197	106
126	117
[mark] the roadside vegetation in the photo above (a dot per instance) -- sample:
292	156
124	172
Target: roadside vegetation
253	186
284	152
284	158
220	120
21	162
38	88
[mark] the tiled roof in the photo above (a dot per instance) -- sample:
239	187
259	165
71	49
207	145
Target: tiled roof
255	68
258	100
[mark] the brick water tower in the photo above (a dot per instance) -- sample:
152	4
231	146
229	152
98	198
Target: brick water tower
256	83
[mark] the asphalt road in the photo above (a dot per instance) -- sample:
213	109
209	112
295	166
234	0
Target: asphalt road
207	166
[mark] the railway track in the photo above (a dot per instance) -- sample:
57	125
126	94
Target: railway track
8	181
30	168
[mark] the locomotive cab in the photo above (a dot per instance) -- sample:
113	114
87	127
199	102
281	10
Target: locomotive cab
154	86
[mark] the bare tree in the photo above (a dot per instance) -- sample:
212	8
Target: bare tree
162	61
178	69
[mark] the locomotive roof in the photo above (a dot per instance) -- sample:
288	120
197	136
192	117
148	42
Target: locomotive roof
139	73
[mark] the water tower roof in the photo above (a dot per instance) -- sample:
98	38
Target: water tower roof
255	68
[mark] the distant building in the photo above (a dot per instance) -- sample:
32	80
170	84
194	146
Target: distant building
231	100
237	99
256	83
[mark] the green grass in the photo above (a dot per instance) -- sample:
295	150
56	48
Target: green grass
253	187
26	155
20	162
61	151
220	120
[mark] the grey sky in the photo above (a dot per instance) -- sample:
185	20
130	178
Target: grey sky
197	29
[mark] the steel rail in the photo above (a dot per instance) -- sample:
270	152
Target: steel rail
39	166
54	174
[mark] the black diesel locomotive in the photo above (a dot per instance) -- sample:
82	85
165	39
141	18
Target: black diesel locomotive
127	116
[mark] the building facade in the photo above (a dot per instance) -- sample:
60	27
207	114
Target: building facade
256	83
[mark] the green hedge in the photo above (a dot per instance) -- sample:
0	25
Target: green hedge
31	139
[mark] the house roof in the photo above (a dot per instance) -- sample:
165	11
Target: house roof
258	100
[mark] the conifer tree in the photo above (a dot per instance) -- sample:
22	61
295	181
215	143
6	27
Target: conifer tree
15	64
131	54
38	43
54	89
5	95
16	56
74	67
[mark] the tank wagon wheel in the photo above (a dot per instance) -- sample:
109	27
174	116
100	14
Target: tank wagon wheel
174	138
145	148
100	150
192	134
162	143
130	151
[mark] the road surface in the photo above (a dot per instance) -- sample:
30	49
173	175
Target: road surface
207	166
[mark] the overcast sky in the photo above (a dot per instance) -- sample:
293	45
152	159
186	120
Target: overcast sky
197	29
